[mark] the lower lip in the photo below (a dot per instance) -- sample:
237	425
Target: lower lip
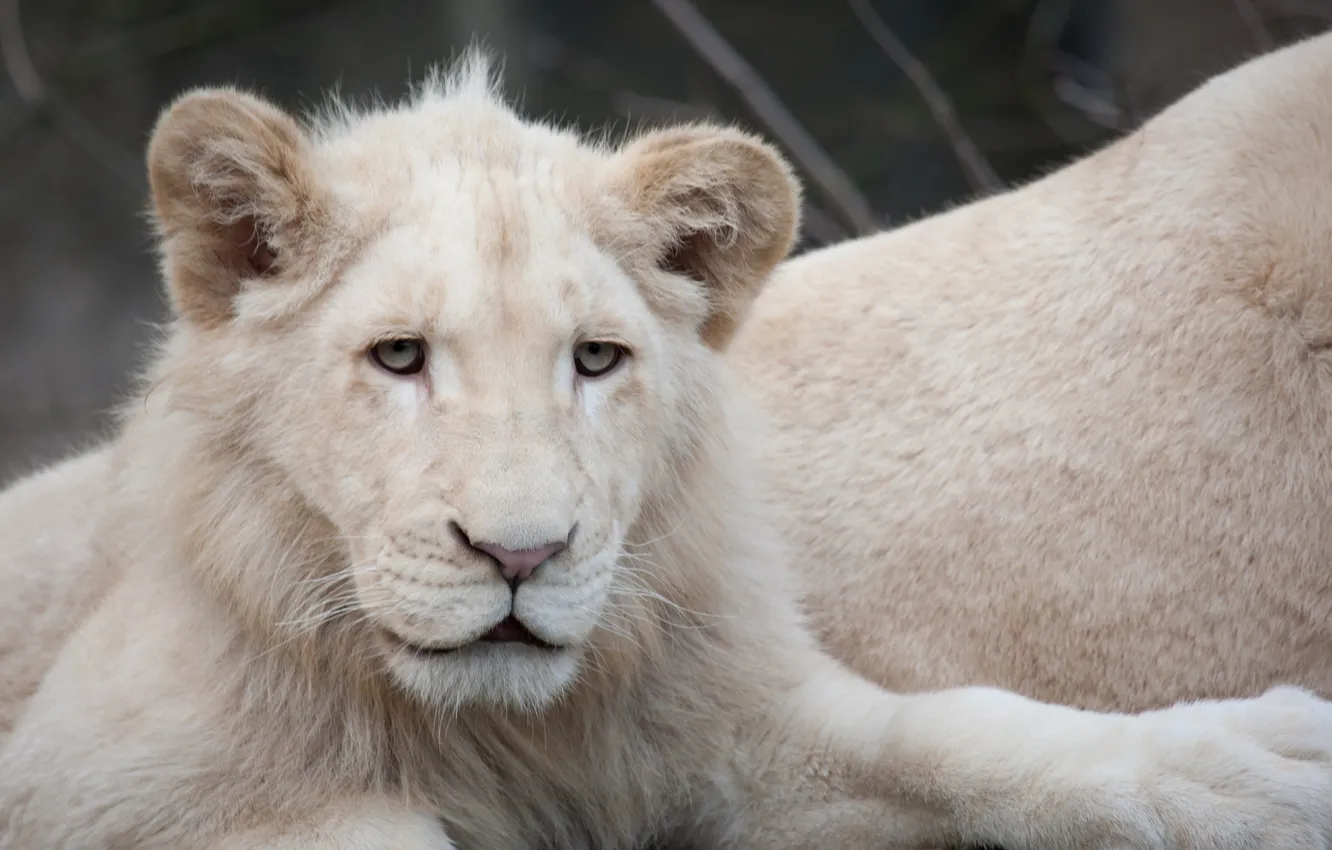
508	630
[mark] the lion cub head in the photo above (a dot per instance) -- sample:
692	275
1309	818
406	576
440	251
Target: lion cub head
473	346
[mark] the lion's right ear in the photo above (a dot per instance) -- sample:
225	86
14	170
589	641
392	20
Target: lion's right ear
233	189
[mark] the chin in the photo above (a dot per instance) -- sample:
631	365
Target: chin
510	676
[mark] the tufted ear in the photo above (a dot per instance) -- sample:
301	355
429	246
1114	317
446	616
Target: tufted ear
234	194
721	207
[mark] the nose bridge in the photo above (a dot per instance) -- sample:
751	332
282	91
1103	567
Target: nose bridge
520	491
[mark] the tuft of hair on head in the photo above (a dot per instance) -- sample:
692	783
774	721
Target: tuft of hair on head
476	74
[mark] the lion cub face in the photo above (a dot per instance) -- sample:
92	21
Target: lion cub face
475	347
495	390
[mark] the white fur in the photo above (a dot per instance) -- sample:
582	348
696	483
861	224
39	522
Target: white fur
1072	440
216	670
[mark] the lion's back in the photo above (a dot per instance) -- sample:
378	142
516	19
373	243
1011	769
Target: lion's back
1073	440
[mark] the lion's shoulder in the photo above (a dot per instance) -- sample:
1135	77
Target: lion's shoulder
49	574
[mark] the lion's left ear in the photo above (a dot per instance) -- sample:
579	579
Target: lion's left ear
722	207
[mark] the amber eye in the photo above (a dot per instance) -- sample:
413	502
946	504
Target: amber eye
401	356
597	359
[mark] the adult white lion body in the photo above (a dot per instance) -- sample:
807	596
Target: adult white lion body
432	528
1076	440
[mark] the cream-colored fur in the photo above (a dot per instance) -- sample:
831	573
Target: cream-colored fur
280	621
1076	440
53	574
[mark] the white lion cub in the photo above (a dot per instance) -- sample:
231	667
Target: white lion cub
433	529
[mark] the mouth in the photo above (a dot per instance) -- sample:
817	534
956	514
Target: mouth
508	630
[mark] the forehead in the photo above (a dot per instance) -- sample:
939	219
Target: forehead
464	202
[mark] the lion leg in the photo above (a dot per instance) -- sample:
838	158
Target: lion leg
842	763
122	746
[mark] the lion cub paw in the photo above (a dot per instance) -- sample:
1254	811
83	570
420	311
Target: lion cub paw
1243	772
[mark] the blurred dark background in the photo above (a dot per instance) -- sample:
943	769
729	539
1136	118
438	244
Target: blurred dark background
892	109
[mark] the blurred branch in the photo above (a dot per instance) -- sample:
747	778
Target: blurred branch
979	171
1060	87
1088	89
1253	21
39	99
709	44
817	226
553	57
14	49
199	25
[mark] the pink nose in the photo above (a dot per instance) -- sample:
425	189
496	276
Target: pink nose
518	564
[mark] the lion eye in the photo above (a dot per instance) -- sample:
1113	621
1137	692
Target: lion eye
402	356
596	359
